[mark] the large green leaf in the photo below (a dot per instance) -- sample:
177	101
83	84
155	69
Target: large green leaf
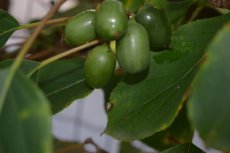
178	133
184	148
209	104
63	82
7	22
148	106
25	119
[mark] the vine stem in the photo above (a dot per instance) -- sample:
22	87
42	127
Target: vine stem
35	24
195	13
25	48
66	53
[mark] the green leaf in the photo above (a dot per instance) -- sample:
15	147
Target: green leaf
184	148
150	105
178	133
63	82
25	67
209	104
25	119
7	23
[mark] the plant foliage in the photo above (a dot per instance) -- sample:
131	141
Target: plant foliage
185	86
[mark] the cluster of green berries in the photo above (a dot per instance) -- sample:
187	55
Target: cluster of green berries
135	37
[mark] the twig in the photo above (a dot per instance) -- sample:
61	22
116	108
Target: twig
72	148
35	24
25	48
53	21
66	53
43	53
195	13
98	148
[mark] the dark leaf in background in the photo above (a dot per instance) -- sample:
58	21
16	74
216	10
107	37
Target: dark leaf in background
7	23
152	104
209	104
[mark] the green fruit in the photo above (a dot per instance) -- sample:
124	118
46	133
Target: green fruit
133	52
80	29
99	66
111	20
157	25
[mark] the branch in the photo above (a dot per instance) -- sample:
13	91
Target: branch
99	149
195	13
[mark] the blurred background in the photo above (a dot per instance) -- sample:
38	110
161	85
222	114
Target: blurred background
85	118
